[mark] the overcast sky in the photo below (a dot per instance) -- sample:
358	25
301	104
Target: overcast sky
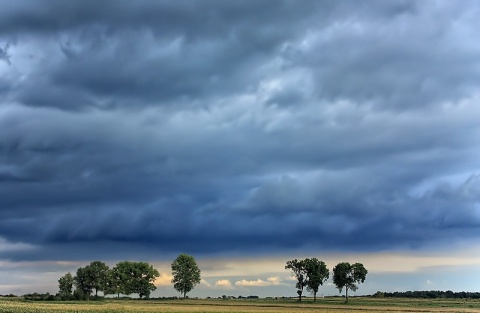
260	130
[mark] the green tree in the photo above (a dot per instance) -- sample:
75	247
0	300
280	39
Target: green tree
144	281
83	283
136	277
186	274
346	275
317	274
98	275
65	285
299	270
114	282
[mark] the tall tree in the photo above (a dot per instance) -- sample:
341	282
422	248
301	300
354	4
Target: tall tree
186	274
298	268
136	277
346	275
98	274
317	274
65	285
83	282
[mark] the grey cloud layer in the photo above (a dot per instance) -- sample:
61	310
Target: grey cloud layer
219	126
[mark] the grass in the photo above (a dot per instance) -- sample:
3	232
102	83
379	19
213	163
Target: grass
325	305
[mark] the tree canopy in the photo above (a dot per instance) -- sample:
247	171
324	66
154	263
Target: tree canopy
136	277
186	274
299	270
98	275
65	286
125	278
348	276
83	283
317	274
114	282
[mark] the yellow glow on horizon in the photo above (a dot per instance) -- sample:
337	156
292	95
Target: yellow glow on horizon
263	271
375	262
165	279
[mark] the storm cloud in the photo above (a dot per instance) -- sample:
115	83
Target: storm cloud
237	127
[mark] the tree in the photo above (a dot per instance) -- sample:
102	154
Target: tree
317	274
144	281
65	284
348	276
83	282
135	277
186	274
98	275
114	282
299	270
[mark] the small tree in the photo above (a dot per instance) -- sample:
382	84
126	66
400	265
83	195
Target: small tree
65	285
299	270
186	274
317	274
348	276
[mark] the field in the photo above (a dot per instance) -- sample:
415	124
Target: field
328	305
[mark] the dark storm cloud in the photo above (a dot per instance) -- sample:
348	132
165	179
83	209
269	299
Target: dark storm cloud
4	56
195	20
129	54
148	128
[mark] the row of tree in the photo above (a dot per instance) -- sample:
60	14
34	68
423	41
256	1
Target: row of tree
124	278
311	273
127	278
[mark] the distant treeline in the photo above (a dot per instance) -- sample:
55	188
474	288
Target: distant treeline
41	297
431	294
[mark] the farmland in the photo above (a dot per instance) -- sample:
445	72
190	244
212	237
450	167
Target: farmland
328	305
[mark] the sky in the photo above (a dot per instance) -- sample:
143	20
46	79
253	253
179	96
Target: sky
244	133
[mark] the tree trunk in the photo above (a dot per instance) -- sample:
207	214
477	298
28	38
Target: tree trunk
346	295
314	296
184	295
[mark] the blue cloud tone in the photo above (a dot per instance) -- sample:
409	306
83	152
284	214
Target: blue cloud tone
143	129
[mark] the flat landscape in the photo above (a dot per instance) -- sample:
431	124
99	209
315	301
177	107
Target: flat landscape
230	151
328	305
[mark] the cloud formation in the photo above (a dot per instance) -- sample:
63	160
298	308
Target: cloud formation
145	129
224	284
4	56
271	281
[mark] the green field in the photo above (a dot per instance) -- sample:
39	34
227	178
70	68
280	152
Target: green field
327	305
